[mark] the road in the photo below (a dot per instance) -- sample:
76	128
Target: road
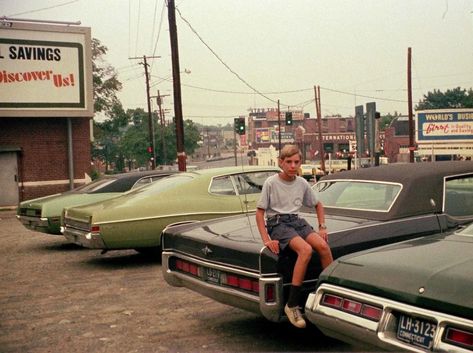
57	297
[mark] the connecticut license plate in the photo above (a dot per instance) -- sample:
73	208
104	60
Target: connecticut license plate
416	331
212	275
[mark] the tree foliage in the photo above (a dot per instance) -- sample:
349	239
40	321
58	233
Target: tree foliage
105	81
452	98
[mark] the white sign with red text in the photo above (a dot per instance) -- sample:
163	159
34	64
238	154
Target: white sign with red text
45	68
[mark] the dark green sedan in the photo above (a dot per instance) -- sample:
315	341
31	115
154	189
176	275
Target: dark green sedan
412	296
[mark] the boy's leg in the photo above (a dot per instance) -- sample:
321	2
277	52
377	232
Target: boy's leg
303	250
304	253
322	248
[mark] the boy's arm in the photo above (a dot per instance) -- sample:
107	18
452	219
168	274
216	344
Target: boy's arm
273	245
319	210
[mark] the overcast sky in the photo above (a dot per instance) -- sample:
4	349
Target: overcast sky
251	53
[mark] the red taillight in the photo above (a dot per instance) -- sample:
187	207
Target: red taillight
187	267
269	293
352	307
232	280
179	265
241	282
332	300
245	283
95	229
371	312
194	269
459	337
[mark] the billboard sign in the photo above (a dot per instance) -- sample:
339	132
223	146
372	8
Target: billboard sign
444	125
45	70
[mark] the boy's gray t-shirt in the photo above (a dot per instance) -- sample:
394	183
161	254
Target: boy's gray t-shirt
284	197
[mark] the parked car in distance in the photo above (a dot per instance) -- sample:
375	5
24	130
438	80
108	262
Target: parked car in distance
44	214
136	219
310	172
412	296
226	260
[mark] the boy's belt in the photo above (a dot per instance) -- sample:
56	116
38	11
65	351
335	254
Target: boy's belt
289	217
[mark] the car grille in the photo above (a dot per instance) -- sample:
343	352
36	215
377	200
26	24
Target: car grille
31	212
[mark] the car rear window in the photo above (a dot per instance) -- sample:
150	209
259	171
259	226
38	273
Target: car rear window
96	186
357	195
459	196
162	184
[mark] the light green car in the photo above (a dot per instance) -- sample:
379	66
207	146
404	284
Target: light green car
135	220
44	214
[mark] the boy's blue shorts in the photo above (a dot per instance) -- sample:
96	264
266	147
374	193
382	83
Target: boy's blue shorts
285	227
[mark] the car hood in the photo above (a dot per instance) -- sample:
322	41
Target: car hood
52	206
432	272
236	241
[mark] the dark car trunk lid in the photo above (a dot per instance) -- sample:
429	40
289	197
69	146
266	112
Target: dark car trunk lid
415	274
235	241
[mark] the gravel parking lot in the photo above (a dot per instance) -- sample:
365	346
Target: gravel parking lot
57	297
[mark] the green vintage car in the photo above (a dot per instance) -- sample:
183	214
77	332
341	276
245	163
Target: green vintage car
44	214
136	219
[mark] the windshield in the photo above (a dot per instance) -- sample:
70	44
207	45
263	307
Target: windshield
357	195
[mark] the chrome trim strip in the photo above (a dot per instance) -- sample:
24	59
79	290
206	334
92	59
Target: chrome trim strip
171	215
212	264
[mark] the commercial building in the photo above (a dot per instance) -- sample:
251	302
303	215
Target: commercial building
46	107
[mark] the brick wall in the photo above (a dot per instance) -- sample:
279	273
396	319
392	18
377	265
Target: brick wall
44	151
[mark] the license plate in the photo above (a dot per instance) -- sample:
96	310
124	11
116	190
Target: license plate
416	331
212	275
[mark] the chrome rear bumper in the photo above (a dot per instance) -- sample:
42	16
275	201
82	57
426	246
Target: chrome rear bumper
382	334
273	311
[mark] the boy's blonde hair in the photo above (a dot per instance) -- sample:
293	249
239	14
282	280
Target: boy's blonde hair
289	151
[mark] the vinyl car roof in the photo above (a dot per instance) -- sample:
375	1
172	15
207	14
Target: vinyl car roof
421	182
124	181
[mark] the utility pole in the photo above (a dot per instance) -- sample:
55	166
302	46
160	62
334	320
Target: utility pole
409	103
319	125
279	129
163	124
181	154
150	118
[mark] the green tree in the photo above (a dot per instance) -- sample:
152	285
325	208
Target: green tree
105	88
452	98
135	139
191	139
105	81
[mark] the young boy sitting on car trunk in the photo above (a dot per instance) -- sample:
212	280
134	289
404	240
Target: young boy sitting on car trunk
282	197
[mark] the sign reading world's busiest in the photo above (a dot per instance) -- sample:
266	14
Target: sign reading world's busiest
443	125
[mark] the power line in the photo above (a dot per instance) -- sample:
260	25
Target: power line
223	63
44	8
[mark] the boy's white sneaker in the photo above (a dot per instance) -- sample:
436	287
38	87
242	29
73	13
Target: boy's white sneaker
295	316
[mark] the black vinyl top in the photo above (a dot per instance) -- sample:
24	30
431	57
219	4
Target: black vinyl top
125	181
421	183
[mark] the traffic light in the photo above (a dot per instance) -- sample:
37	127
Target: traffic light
149	149
240	126
288	118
